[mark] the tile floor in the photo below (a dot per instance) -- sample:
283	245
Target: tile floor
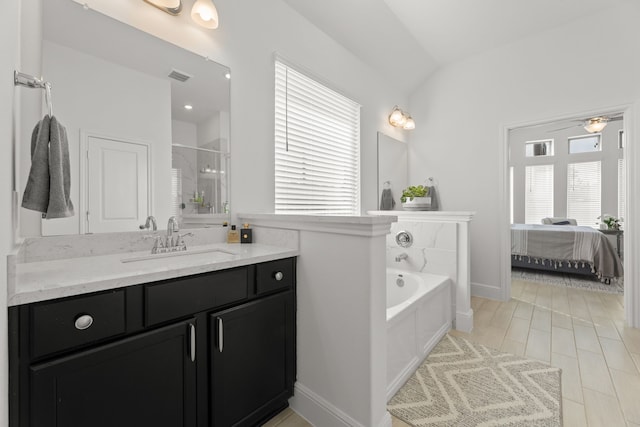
581	332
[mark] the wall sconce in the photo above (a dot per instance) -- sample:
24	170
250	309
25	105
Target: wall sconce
400	119
595	124
172	7
205	14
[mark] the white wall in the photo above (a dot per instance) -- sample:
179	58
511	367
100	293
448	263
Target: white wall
250	33
9	60
461	109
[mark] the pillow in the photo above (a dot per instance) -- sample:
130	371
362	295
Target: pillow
562	223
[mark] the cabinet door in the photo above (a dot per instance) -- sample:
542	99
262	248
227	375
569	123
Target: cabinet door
252	357
145	380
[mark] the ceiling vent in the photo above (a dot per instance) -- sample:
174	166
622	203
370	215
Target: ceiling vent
179	75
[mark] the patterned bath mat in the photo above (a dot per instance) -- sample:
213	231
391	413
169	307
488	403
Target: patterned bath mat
568	280
465	384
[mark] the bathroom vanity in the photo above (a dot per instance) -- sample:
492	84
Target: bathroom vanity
216	348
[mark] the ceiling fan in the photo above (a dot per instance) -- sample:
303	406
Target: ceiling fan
593	124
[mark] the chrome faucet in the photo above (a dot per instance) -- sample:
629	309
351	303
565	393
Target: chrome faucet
151	221
172	227
402	256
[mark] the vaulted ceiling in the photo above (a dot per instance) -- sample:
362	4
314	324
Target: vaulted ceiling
406	40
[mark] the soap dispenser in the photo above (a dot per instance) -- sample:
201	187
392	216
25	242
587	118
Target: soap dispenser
233	236
245	234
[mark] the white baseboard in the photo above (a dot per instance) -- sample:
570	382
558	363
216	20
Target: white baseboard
464	321
319	412
486	291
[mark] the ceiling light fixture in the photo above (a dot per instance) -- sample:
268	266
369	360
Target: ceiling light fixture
172	7
188	107
205	14
596	124
399	118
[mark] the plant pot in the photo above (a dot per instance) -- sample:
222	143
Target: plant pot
417	204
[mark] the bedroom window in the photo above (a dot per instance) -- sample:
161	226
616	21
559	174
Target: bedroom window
538	198
585	144
538	148
317	147
583	192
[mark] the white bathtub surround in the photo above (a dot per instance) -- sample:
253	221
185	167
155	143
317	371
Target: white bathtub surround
440	246
418	316
342	341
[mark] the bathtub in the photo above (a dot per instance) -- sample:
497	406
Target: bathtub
418	315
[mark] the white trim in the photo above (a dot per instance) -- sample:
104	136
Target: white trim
319	411
435	216
632	216
486	291
83	194
631	116
349	225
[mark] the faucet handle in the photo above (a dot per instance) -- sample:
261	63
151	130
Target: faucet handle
180	240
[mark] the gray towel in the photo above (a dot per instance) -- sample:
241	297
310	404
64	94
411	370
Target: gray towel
49	182
386	201
36	193
60	205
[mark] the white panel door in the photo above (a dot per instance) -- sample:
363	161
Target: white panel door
117	185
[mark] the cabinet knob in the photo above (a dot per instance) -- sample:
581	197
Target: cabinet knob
83	322
278	276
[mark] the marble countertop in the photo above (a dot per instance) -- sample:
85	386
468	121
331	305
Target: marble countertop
46	280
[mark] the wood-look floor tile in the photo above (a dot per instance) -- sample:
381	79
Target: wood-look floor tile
294	420
586	338
524	310
628	389
541	319
279	418
513	347
594	372
539	345
631	338
562	342
602	410
617	356
518	330
397	422
561	319
605	327
571	382
573	414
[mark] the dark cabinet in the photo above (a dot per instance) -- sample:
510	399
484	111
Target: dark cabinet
146	380
252	366
210	350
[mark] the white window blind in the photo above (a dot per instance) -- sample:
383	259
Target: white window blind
583	192
621	188
317	147
538	197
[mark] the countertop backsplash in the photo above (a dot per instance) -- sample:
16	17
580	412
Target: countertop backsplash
50	248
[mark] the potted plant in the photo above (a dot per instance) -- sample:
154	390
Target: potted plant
611	222
416	198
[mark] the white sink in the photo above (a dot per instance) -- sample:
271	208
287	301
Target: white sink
178	253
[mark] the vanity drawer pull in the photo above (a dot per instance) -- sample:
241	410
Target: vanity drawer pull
278	276
83	322
273	276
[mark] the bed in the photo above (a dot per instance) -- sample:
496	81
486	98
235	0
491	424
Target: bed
564	248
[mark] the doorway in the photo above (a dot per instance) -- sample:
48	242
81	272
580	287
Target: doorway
538	149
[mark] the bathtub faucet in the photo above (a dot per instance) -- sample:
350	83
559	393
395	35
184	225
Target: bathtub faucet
402	256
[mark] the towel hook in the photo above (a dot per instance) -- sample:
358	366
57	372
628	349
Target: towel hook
386	184
48	98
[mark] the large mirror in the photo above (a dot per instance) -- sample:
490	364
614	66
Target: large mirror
147	123
392	171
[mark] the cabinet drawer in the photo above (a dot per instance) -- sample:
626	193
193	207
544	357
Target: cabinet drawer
58	325
188	295
275	275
